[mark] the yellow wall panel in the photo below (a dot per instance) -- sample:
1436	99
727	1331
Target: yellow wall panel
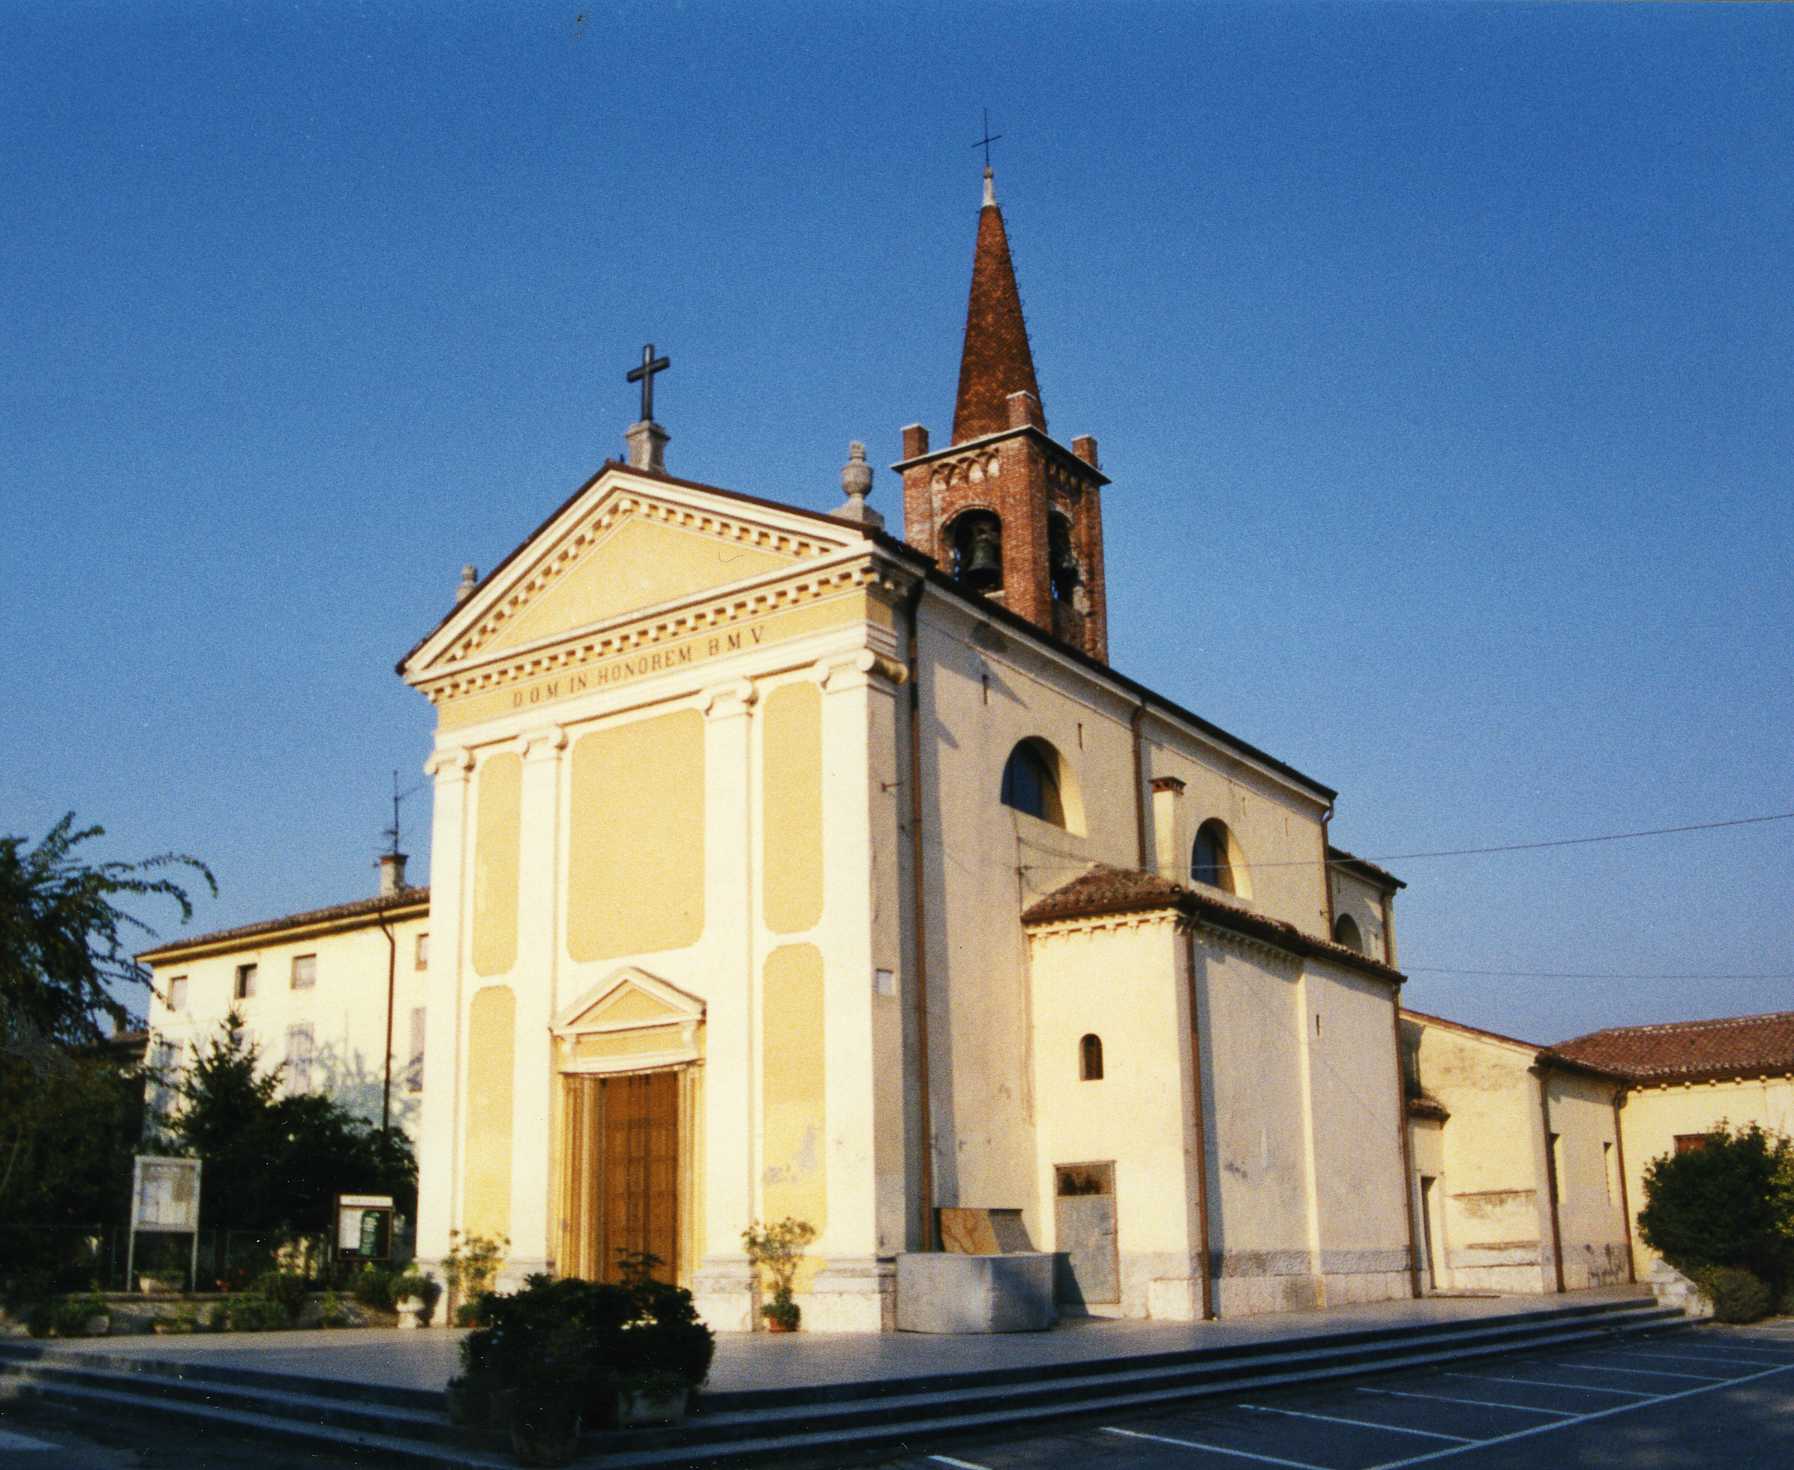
795	1180
491	1057
496	843
635	880
792	783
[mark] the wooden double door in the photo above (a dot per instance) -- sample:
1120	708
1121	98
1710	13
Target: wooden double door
622	1180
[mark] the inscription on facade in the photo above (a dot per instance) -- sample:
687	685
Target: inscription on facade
638	665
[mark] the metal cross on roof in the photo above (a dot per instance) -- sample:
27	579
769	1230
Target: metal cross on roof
987	139
645	376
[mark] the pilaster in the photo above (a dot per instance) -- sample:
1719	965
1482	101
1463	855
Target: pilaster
852	1292
439	1130
538	874
723	1283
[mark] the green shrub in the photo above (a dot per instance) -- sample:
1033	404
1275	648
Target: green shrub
1784	1304
40	1317
1736	1294
250	1311
72	1314
285	1291
333	1311
576	1341
372	1287
1730	1203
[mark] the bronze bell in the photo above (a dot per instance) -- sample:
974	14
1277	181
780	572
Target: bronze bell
984	567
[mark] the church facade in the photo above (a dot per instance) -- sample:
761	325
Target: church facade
782	867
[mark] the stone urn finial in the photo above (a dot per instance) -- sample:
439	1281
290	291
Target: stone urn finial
856	484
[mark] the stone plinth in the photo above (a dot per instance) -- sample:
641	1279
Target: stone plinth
965	1293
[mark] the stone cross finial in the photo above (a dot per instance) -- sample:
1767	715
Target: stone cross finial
470	578
645	376
856	482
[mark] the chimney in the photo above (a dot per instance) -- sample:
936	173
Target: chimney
392	873
1167	854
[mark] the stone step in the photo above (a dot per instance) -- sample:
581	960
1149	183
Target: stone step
979	1397
741	1426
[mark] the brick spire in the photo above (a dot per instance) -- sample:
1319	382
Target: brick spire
996	360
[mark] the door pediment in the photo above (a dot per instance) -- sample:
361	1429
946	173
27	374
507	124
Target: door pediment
625	1000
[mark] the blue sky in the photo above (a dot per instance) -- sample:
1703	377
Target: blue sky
1440	356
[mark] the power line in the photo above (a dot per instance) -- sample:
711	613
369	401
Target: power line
1399	857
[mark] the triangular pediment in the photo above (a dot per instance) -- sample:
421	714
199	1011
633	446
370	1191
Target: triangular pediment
626	545
626	1000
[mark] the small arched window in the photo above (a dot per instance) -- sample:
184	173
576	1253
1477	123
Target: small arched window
1090	1059
1346	932
1214	859
1031	782
976	538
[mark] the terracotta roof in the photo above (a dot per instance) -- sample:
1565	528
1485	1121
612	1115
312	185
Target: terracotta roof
1106	890
1363	867
996	360
369	907
1686	1051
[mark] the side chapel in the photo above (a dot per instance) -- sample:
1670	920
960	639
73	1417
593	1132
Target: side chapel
784	867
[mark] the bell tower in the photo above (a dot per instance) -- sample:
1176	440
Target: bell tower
1004	509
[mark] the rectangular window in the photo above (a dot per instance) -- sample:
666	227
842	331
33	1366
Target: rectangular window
1687	1143
422	958
177	993
245	986
305	971
414	1071
299	1051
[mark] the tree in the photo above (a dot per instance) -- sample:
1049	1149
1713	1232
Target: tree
1730	1203
62	934
272	1163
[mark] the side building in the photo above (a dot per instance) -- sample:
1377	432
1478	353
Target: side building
336	997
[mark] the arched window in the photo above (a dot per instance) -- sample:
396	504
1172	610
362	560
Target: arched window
1031	782
1346	932
1215	858
1090	1059
976	539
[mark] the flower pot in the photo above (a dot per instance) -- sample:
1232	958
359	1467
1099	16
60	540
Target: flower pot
412	1311
98	1325
780	1324
637	1406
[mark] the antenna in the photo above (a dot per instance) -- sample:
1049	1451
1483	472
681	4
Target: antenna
391	834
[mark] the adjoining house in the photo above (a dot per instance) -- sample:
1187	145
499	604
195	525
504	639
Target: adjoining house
1529	1161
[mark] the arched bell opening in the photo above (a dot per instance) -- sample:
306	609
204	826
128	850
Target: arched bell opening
976	537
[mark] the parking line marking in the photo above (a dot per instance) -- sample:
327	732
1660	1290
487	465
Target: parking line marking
11	1441
957	1464
1710	1358
1667	1398
1213	1449
1441	1398
1631	1393
1646	1372
1356	1423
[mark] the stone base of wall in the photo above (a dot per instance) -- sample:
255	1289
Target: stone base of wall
1672	1289
1594	1265
1505	1279
1345	1288
852	1294
726	1294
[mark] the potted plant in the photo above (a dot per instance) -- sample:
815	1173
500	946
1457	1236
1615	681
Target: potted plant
652	1396
471	1271
414	1298
776	1251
